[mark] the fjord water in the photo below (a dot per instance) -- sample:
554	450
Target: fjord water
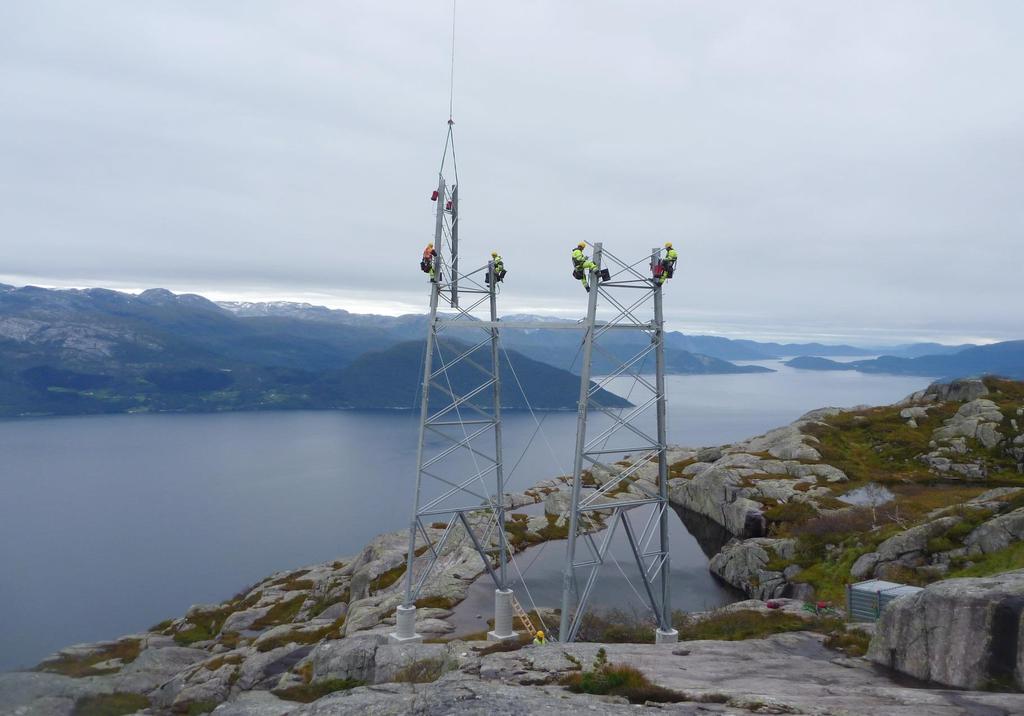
109	524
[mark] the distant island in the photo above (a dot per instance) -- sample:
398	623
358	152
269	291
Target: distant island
1005	359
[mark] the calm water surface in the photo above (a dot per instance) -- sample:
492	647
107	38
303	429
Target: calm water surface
109	524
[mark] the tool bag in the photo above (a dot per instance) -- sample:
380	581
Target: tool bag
577	274
425	266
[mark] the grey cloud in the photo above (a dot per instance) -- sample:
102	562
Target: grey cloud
828	169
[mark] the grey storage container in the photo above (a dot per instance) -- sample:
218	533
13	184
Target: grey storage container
866	600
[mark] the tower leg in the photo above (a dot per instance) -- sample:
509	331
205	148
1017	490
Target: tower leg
569	576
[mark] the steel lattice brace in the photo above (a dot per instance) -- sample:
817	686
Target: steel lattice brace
597	453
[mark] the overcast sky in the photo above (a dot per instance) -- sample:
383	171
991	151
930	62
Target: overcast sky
835	171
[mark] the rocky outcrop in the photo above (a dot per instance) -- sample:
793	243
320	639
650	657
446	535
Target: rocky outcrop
745	565
958	632
978	421
996	534
786	674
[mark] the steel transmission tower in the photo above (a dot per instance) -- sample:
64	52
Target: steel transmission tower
459	468
628	292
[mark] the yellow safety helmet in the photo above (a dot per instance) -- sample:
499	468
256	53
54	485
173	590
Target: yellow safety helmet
540	634
430	245
668	244
581	245
494	253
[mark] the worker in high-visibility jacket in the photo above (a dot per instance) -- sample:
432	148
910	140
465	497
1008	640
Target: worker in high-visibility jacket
668	264
581	263
539	639
427	264
499	266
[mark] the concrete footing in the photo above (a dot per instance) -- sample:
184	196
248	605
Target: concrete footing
405	627
503	630
666	637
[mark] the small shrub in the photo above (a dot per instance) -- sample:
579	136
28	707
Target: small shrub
619	680
308	693
836	525
795	512
114	704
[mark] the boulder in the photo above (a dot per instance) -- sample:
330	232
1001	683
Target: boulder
981	408
988	435
956	390
914	540
864	567
996	534
712	492
407	661
264	668
195	685
959	632
255	703
350	658
741	563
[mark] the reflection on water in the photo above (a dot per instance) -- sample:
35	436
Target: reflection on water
692	538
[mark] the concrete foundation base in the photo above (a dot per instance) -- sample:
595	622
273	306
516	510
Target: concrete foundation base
666	637
503	630
405	627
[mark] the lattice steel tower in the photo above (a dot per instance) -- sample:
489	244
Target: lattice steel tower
459	468
598	453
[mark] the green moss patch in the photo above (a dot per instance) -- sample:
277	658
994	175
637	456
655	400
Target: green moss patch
281	613
436	602
308	693
115	704
206	625
1004	560
127	650
302	636
552	530
739	625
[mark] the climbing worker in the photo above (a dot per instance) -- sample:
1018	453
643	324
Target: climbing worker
581	263
427	264
668	264
539	639
499	268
